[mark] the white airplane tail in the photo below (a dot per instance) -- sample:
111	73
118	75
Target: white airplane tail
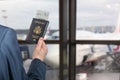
117	29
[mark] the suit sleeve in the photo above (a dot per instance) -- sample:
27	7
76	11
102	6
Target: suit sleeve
11	51
37	70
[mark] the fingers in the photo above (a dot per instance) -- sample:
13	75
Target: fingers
45	47
40	40
40	43
40	50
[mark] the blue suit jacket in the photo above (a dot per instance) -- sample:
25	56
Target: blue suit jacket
11	67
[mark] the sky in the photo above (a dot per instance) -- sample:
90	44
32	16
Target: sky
89	12
21	12
97	12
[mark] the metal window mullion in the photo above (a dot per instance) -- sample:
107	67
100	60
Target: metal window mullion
72	37
63	24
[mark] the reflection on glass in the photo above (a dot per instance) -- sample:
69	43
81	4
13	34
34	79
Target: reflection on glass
18	15
99	18
51	60
102	59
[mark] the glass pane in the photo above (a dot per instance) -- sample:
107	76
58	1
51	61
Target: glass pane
96	62
98	19
51	60
19	15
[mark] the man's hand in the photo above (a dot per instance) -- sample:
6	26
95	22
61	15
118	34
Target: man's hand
40	50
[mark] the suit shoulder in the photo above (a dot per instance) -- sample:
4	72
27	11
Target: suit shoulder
5	31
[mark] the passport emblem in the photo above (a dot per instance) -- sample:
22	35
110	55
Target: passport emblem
37	30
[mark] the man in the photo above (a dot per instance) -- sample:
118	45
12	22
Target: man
11	67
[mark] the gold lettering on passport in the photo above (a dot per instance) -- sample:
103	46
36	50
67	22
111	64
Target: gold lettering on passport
37	30
35	37
39	22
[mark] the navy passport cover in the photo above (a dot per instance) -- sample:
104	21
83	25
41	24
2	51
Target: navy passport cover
37	29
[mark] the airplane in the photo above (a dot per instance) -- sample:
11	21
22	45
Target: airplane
94	52
52	58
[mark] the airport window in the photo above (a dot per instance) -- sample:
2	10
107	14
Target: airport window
98	17
97	35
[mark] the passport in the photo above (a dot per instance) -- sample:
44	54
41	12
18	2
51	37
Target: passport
37	29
